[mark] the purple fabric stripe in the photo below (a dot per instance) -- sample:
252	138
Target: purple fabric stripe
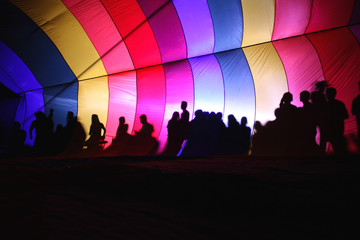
197	25
166	27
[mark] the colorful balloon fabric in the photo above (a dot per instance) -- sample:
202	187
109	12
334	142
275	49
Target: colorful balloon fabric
131	57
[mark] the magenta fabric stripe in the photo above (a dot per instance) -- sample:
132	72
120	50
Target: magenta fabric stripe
103	33
166	26
122	102
291	18
302	65
197	25
179	87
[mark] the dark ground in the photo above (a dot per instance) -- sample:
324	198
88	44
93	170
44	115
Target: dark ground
199	198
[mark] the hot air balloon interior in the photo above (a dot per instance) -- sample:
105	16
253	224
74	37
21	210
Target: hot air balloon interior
131	63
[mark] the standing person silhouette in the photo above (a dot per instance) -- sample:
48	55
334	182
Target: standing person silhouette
307	126
355	110
43	127
174	139
185	116
318	100
184	120
244	135
336	114
95	133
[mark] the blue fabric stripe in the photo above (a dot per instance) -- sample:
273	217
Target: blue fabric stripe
62	99
33	46
228	24
238	84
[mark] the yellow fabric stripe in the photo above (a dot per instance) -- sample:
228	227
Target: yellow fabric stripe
93	94
258	18
269	79
65	31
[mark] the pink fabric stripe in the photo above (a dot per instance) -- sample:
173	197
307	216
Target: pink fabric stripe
103	33
122	102
150	97
167	29
329	14
302	65
179	87
292	18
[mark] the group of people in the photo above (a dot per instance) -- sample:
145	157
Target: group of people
293	132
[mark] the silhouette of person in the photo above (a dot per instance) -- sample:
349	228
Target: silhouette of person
276	135
143	143
307	125
147	129
122	129
60	140
288	122
355	110
335	123
318	100
244	136
174	140
288	109
258	140
63	135
185	116
43	127
95	133
184	121
196	141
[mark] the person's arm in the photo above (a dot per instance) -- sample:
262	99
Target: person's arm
102	126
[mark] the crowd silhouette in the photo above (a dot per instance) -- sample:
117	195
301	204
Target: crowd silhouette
293	132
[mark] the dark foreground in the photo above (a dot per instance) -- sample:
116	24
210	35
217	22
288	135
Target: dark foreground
203	198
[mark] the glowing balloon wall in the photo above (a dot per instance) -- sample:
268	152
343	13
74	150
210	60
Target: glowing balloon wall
131	57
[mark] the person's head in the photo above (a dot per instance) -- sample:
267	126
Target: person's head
143	119
198	113
122	120
95	119
231	119
320	86
257	126
39	115
243	121
287	98
277	113
175	116
219	115
70	116
183	105
331	93
305	96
